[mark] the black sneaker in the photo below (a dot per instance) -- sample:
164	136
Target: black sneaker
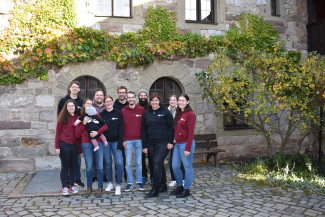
79	183
94	178
105	179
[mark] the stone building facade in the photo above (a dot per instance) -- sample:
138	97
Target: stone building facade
28	110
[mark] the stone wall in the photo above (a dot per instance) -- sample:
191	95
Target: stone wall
291	24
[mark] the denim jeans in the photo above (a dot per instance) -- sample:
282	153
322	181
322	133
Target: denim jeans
158	153
137	145
68	156
144	165
110	149
78	167
178	158
88	150
172	177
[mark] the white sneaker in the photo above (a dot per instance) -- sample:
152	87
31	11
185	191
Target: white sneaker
109	187
73	190
118	190
65	191
172	184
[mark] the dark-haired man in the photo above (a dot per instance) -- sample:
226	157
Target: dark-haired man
132	117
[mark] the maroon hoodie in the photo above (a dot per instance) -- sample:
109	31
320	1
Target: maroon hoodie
66	132
132	118
184	131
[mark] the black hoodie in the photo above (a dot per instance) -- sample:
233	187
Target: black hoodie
118	106
79	102
114	122
157	126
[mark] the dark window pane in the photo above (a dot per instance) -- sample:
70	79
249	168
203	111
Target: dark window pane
165	87
88	85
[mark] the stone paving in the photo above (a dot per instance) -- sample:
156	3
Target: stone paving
214	192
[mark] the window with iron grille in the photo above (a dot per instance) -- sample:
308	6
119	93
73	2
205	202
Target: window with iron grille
234	120
114	8
202	11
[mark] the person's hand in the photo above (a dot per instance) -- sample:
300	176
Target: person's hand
93	134
145	150
169	146
85	121
57	151
187	153
124	145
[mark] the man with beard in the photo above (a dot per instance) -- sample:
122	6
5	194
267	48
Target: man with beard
132	117
143	101
120	103
98	104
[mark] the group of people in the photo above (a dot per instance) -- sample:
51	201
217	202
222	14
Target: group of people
103	128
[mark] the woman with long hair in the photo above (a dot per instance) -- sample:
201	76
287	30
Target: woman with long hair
66	145
88	150
172	108
157	140
184	122
114	120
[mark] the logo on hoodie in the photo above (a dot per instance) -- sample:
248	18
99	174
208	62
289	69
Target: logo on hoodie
182	119
160	115
138	115
114	119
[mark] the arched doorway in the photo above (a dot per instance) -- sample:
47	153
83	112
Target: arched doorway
88	85
165	87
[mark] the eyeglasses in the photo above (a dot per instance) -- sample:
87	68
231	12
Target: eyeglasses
132	97
107	102
75	87
121	92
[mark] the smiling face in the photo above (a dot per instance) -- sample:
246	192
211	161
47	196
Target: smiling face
99	97
154	103
172	101
182	102
131	99
142	97
74	89
71	108
121	94
109	103
88	103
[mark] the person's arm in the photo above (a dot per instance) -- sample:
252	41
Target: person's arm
143	133
99	118
190	131
58	136
60	106
120	132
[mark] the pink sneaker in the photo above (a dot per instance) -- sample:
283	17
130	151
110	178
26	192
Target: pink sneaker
96	148
73	190
65	191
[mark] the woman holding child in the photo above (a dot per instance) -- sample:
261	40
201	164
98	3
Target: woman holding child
88	150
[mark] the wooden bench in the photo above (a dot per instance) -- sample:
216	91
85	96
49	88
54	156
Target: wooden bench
209	143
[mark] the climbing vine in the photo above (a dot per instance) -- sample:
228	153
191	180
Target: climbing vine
44	33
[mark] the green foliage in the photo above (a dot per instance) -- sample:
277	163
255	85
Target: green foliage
251	31
287	171
160	24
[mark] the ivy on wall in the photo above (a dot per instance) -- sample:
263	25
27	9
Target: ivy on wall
44	33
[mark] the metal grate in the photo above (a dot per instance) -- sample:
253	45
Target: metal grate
47	181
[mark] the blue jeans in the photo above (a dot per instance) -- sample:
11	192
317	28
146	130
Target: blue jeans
178	158
138	160
88	150
118	158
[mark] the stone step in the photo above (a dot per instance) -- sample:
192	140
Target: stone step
17	164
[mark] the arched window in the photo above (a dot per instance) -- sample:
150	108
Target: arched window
165	87
88	85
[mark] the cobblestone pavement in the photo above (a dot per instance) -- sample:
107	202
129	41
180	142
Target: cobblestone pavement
213	193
